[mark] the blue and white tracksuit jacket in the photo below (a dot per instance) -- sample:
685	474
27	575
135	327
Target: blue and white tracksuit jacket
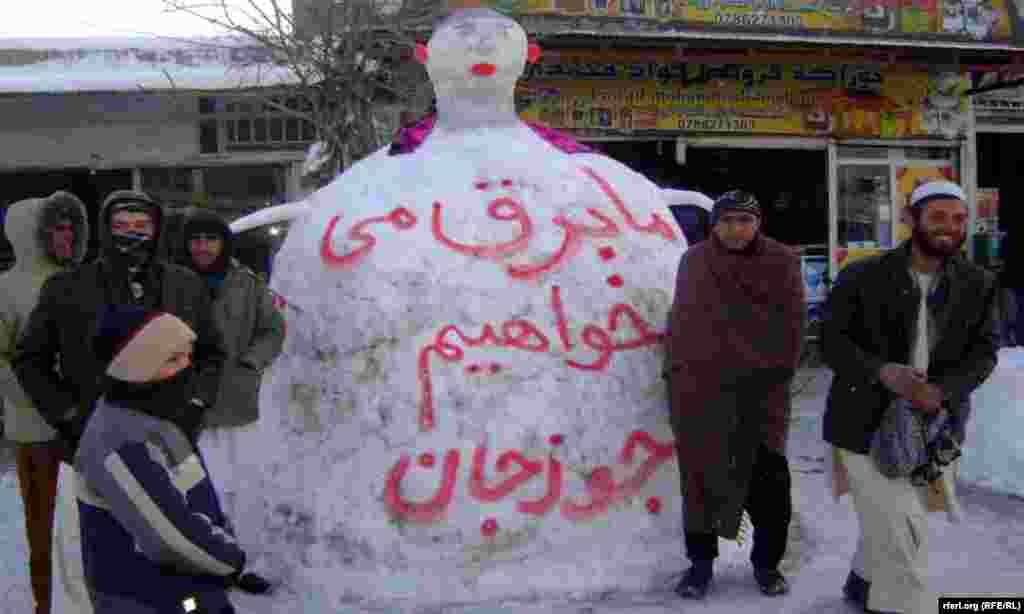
153	533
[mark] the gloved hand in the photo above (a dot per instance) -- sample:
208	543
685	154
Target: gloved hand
252	583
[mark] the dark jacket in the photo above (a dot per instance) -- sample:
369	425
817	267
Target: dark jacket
153	532
54	359
251	327
253	333
871	319
735	334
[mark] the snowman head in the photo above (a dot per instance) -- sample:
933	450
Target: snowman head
476	50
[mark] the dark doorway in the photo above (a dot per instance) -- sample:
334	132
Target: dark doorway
791	184
999	161
90	186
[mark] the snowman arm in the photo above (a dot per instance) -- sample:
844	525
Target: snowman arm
271	215
686	197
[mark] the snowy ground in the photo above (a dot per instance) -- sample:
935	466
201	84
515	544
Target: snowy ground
982	556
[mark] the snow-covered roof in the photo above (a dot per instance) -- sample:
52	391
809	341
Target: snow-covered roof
59	65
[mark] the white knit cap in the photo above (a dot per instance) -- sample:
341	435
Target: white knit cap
934	190
150	347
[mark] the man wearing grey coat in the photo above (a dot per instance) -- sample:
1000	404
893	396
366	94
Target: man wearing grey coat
253	333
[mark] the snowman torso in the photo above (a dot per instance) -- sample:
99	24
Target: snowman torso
472	377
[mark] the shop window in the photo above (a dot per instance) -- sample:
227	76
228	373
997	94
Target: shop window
208	141
865	219
244	135
254	125
207	105
172	186
244	187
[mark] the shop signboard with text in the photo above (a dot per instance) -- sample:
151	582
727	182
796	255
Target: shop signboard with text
976	20
802	100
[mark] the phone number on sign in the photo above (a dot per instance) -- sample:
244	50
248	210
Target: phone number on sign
715	123
758	19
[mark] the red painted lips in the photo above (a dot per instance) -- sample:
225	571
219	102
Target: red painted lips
484	70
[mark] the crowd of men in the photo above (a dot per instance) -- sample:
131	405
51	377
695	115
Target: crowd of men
73	333
117	372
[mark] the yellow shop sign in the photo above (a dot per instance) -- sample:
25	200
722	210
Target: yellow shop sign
763	99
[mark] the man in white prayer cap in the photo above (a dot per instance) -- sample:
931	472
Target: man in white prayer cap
917	326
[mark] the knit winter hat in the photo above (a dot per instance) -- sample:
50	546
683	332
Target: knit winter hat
934	190
202	222
735	200
135	342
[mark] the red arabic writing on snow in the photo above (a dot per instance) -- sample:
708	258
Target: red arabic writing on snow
524	335
502	209
602	490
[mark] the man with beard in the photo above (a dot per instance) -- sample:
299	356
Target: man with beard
917	323
49	235
735	335
54	359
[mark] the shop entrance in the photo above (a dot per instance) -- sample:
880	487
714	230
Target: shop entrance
999	160
791	184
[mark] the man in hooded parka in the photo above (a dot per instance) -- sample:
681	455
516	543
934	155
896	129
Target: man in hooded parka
57	367
48	235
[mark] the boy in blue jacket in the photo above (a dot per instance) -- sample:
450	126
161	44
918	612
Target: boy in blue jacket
154	538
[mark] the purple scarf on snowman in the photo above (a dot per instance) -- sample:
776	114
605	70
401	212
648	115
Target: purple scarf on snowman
411	137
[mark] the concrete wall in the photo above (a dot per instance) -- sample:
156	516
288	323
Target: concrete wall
97	130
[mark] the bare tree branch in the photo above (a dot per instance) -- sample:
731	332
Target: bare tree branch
349	59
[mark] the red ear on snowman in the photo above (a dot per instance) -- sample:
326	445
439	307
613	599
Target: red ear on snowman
533	52
421	53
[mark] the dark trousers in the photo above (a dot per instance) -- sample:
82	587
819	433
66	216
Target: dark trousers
770	505
38	465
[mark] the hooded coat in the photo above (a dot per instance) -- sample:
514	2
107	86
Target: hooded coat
252	328
734	342
27	225
55	362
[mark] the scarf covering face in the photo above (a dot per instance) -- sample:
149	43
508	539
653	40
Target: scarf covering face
167	400
130	251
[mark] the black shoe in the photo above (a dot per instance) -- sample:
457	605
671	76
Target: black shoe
856	590
771	581
695	584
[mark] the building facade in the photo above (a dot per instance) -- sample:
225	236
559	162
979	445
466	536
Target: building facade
190	124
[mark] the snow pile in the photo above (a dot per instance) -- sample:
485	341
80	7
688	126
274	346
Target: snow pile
994	449
470	406
15	591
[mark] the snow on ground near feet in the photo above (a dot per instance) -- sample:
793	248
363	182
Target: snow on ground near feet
994	449
982	556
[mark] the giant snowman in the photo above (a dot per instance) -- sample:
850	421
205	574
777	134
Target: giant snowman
469	406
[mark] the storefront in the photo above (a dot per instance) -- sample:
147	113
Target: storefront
830	112
832	151
999	137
